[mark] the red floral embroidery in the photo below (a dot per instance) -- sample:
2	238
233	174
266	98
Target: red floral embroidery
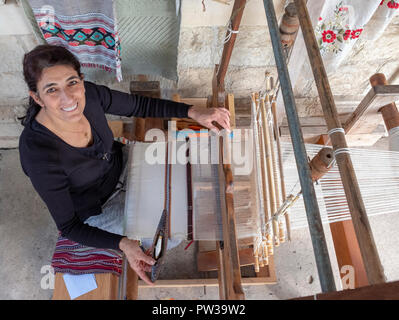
329	36
393	4
347	34
356	33
382	2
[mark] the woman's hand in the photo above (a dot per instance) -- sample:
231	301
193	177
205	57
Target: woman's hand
205	117
138	260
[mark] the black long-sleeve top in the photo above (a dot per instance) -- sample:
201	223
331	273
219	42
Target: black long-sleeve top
75	182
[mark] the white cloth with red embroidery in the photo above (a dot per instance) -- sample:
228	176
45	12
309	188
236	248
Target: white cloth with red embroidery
343	22
349	20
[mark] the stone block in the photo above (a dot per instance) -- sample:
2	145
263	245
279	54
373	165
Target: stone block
13	90
218	14
12	19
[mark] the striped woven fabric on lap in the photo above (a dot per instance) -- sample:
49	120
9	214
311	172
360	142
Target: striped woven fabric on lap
75	258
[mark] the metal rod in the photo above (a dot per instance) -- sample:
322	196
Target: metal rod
312	209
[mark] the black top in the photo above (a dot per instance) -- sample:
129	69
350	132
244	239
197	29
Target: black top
75	182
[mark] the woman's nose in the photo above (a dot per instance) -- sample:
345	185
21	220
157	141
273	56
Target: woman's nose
66	98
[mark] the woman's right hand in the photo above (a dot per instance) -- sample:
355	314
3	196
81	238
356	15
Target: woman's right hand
138	260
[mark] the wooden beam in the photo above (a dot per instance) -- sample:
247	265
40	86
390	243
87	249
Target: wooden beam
366	117
207	261
235	20
107	288
357	209
147	89
383	291
347	250
229	266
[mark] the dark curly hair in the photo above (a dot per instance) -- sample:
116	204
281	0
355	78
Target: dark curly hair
43	56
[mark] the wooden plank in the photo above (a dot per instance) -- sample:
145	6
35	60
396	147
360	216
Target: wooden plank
366	117
148	89
107	288
231	108
131	284
116	128
315	120
183	283
383	291
268	271
347	250
207	261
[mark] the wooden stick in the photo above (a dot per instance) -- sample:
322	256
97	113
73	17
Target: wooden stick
269	166
281	168
277	236
389	112
267	212
360	220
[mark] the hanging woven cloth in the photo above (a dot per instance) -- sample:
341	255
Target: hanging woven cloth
86	28
149	30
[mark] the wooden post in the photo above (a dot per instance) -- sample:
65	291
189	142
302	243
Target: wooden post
148	89
364	235
389	112
229	271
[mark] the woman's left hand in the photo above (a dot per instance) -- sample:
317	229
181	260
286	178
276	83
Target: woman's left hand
205	117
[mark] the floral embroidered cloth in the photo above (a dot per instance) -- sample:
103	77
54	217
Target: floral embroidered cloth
342	22
86	28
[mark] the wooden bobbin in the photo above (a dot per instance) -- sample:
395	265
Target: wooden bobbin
281	231
321	163
389	112
270	249
265	253
256	263
256	256
289	25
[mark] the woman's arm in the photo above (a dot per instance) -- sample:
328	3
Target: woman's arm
124	104
132	105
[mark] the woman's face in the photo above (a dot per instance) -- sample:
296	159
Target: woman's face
61	92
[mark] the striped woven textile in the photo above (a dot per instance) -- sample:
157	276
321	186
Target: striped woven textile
75	258
86	28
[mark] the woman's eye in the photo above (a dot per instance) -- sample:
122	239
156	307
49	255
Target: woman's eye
51	90
73	82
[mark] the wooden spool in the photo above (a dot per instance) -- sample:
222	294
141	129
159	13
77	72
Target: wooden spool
321	163
389	112
289	25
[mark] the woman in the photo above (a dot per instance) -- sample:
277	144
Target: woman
68	151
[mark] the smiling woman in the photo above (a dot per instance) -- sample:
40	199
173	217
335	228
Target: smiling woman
68	150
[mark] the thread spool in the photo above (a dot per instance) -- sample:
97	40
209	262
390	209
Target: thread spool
321	163
289	25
